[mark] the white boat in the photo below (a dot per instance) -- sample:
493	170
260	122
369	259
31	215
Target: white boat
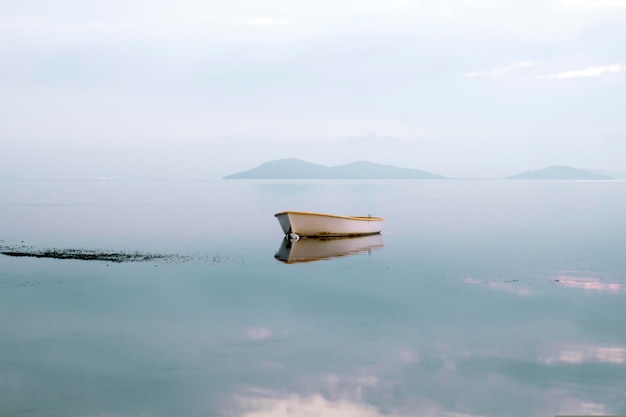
296	224
315	249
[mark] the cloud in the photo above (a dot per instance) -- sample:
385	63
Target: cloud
587	72
594	4
372	139
264	21
500	71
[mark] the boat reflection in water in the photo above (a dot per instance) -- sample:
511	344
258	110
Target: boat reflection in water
315	249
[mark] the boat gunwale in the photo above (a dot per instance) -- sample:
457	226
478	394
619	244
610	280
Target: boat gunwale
308	213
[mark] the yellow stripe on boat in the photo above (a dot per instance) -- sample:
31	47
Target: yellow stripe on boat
368	218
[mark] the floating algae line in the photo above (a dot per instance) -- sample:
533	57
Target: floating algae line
91	255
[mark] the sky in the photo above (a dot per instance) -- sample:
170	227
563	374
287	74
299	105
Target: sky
191	89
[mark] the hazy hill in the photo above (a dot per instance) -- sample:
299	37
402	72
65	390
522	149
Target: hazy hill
298	169
559	173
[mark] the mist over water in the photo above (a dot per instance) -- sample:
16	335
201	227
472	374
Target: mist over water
483	298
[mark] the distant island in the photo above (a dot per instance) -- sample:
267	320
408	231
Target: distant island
299	169
559	173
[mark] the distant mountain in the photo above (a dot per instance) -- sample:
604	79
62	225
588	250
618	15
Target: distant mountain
559	173
298	169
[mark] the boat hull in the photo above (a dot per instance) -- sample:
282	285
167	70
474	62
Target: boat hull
306	224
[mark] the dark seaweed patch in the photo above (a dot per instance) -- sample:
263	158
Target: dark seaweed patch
114	256
91	255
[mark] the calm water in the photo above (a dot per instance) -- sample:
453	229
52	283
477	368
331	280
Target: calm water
487	298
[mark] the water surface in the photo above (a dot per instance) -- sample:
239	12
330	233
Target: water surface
485	298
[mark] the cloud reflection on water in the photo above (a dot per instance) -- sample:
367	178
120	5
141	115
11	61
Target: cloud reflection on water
586	281
587	354
298	405
258	333
270	404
